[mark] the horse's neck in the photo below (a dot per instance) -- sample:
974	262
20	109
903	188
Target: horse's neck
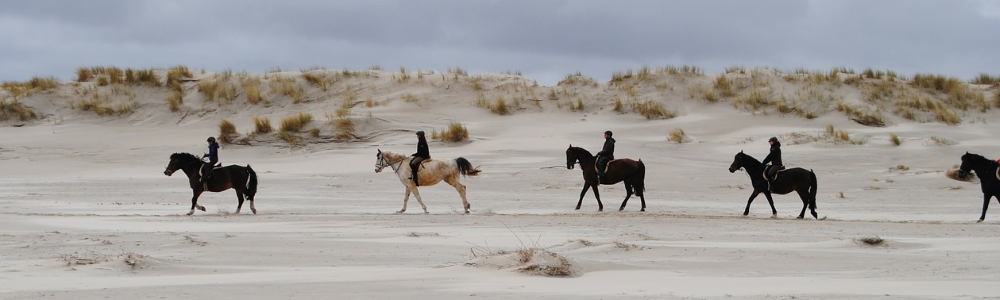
584	157
396	161
752	165
193	168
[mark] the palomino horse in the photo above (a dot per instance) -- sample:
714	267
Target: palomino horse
795	179
632	172
986	170
432	172
241	179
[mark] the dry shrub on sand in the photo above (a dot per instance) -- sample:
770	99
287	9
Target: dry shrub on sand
227	132
533	261
456	132
953	174
870	240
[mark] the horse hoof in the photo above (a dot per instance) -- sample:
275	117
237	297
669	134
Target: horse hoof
190	212
800	218
426	212
775	216
400	211
980	221
254	211
201	208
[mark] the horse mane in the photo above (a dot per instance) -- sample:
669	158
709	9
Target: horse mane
582	150
393	156
184	156
978	158
747	156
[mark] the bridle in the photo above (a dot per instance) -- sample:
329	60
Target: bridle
383	162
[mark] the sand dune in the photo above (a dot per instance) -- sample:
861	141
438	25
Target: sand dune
88	214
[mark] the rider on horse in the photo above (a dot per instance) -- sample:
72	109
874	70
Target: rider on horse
213	158
423	152
606	155
774	157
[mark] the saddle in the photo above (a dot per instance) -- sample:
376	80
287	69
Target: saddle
774	176
598	167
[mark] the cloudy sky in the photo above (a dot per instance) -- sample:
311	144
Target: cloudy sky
542	39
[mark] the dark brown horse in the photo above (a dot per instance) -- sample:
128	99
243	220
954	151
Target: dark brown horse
795	179
241	179
986	170
632	172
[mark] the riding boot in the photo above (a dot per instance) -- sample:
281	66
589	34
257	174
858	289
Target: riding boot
416	181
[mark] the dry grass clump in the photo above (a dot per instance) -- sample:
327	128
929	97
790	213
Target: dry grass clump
577	79
209	89
723	86
953	174
498	106
262	125
174	76
677	136
864	118
456	132
652	110
100	104
940	141
15	110
295	123
251	87
947	116
20	89
287	86
227	132
175	100
317	80
870	240
986	79
894	139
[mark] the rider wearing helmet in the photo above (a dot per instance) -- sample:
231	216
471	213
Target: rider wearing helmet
774	157
423	152
607	154
213	158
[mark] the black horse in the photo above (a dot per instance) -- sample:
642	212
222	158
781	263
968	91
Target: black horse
241	179
632	172
986	170
795	179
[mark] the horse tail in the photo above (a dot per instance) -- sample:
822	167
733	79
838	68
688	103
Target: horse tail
812	189
251	183
466	168
640	182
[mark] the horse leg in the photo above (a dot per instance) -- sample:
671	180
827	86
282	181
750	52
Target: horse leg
628	194
582	193
752	196
774	212
416	194
804	195
986	204
194	202
252	208
600	206
453	181
239	196
406	198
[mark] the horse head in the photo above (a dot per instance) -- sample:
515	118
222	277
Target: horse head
737	162
966	167
570	157
179	161
380	161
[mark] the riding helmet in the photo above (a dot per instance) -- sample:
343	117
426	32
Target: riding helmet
420	132
211	139
772	139
608	132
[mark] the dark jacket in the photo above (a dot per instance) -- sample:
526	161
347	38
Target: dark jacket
213	153
609	148
422	149
775	156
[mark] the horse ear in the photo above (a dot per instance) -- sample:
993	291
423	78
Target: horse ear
379	150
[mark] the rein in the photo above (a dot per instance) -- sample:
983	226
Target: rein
394	168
